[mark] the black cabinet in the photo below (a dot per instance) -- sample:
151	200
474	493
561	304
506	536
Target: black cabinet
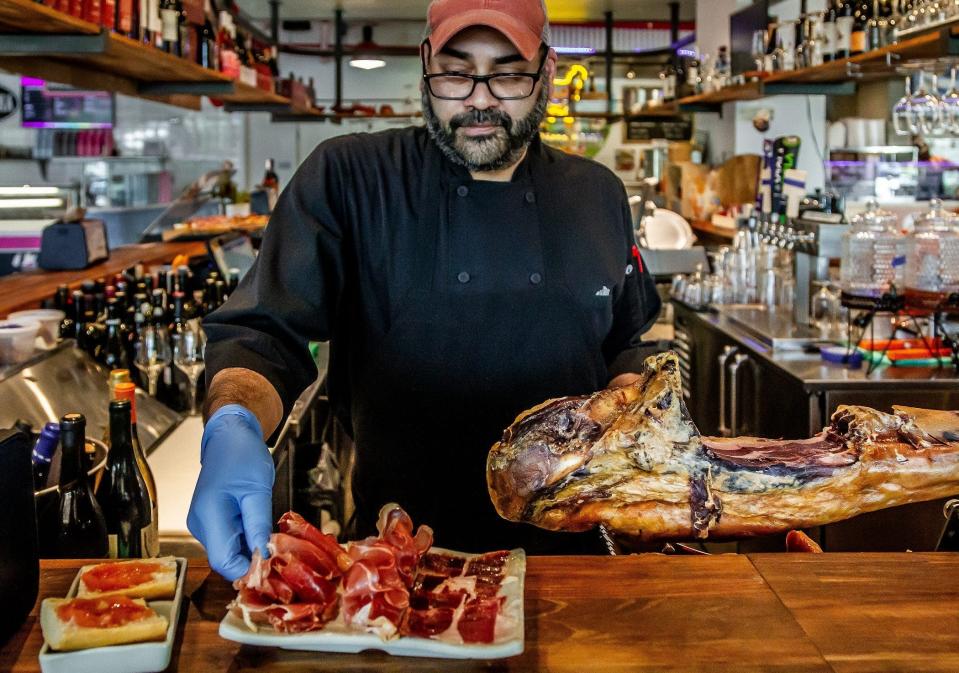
734	386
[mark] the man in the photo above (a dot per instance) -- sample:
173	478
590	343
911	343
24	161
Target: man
462	273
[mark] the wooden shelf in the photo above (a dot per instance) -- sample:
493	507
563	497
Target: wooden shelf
749	91
244	93
122	66
835	77
29	17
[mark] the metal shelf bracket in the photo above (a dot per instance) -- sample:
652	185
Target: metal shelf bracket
187	88
51	44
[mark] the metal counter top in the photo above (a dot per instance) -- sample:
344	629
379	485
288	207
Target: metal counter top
810	369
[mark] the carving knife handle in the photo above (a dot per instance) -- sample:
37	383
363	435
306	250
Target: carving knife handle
727	353
734	393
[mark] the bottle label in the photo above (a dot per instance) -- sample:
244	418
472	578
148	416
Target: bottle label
150	538
171	25
844	26
829	39
112	545
857	42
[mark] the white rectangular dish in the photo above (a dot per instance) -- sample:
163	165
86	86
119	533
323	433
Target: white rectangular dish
338	637
132	658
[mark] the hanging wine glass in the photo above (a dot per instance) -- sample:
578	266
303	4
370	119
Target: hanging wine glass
152	355
950	105
188	350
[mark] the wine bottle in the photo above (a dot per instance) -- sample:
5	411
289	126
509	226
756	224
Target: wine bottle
93	337
43	452
127	391
829	32
857	40
115	353
123	493
845	18
70	323
170	16
61	300
82	529
219	294
206	40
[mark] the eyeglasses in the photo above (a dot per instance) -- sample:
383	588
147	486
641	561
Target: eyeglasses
503	86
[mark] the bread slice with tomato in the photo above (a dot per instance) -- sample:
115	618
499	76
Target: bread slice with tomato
152	579
82	623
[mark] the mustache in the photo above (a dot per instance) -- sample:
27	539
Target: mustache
481	118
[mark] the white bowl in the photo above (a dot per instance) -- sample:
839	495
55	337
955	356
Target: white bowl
17	340
49	319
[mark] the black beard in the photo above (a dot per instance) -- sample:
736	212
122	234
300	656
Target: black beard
494	152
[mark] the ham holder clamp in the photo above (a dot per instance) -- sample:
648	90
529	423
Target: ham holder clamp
631	459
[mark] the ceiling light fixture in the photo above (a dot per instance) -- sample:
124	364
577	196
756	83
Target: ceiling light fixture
365	55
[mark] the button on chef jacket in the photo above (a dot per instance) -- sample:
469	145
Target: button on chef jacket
450	304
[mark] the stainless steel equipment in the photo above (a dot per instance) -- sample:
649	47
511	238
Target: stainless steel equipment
817	240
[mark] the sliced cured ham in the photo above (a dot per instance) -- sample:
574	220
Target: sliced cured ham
391	584
376	590
295	525
631	459
295	589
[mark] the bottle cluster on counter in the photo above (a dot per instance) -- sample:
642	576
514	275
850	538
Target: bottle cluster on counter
103	315
112	514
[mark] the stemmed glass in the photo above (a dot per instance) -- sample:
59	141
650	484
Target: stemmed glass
152	354
901	115
949	102
188	350
926	113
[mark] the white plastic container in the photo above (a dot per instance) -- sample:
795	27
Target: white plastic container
49	319
17	340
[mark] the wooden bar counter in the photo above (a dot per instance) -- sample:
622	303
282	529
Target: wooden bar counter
841	613
25	290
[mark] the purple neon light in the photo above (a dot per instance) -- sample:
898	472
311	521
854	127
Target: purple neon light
66	125
574	50
919	164
32	82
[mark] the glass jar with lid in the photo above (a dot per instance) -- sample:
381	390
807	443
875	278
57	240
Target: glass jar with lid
873	252
932	270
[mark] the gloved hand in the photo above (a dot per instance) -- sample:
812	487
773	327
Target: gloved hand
232	508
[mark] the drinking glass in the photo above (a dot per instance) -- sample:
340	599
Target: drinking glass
188	350
949	103
152	354
902	112
769	288
759	48
926	111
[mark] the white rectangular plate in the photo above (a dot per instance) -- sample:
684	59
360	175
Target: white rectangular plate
338	637
132	658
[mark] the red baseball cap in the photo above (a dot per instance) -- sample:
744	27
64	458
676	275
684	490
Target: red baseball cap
523	22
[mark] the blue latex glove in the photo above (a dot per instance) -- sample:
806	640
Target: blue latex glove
232	509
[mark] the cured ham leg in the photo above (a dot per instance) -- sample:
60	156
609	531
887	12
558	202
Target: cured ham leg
631	458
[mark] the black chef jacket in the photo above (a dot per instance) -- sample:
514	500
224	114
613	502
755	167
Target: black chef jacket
451	305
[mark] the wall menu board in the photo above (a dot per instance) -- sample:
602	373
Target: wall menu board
48	105
640	129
